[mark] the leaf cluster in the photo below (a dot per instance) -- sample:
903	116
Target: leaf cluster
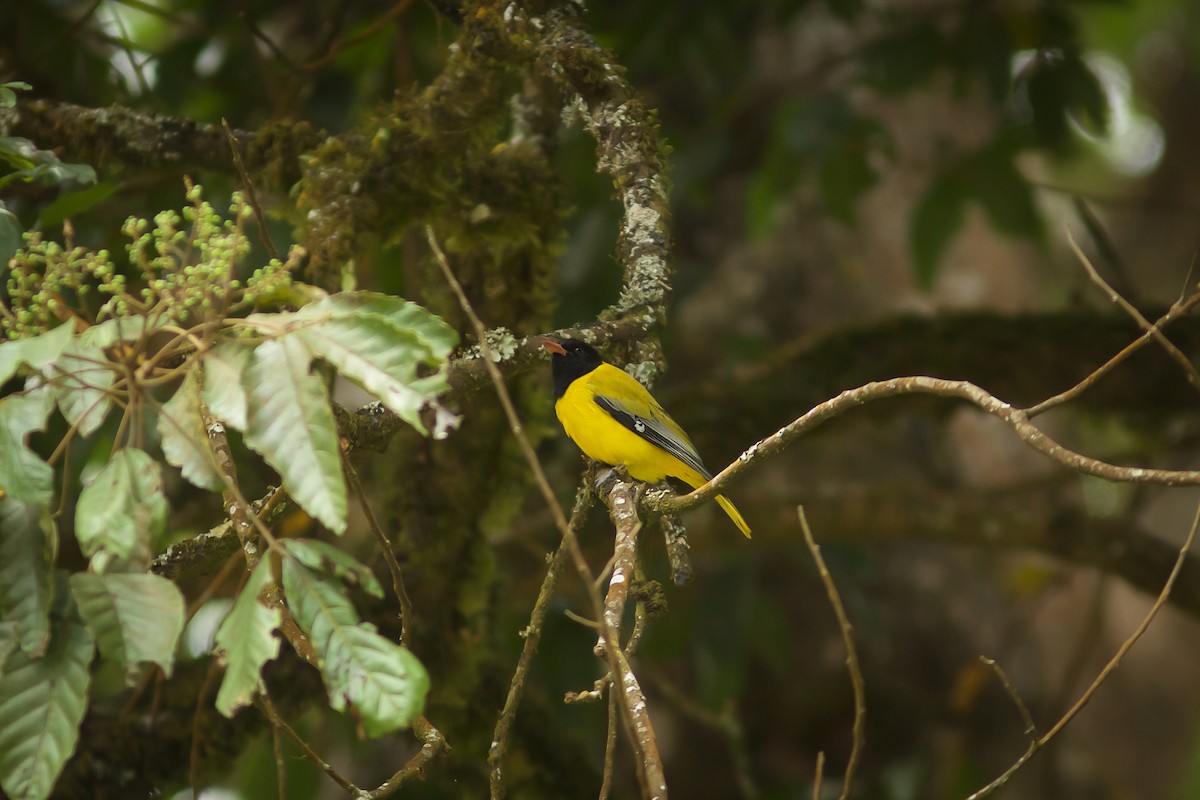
161	362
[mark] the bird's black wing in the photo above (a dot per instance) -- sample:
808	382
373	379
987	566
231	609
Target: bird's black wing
655	431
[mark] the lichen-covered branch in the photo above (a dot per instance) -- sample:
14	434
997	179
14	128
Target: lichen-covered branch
120	138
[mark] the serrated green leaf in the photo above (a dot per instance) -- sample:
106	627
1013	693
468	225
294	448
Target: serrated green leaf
384	682
82	378
28	542
42	701
247	642
38	352
10	235
133	617
324	557
224	391
433	332
936	220
23	475
184	440
70	204
380	357
289	424
122	511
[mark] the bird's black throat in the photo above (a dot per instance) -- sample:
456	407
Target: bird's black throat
579	360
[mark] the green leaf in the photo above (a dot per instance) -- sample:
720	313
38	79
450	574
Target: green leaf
23	475
383	681
44	166
936	220
81	384
122	511
324	557
184	440
133	617
247	642
70	204
223	390
28	542
382	358
10	235
431	331
38	352
291	426
42	701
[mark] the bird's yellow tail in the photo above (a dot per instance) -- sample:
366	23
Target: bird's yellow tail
732	511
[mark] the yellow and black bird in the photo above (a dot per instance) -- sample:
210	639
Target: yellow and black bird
613	419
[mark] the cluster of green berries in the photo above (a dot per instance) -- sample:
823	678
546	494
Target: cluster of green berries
185	265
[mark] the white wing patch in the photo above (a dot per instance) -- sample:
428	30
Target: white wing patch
655	431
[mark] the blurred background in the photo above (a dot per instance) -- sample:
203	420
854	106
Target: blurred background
862	189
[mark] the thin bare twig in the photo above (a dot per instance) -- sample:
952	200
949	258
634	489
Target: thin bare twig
1150	328
1006	682
533	635
510	411
852	665
1112	664
1015	418
723	722
251	196
1179	309
432	743
268	708
202	696
280	763
385	546
610	749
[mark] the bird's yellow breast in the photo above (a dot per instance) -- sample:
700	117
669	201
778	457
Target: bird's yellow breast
601	437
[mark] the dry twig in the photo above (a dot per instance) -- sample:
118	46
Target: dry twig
852	666
533	636
1114	662
1015	418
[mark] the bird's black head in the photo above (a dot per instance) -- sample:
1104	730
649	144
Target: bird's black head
570	360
